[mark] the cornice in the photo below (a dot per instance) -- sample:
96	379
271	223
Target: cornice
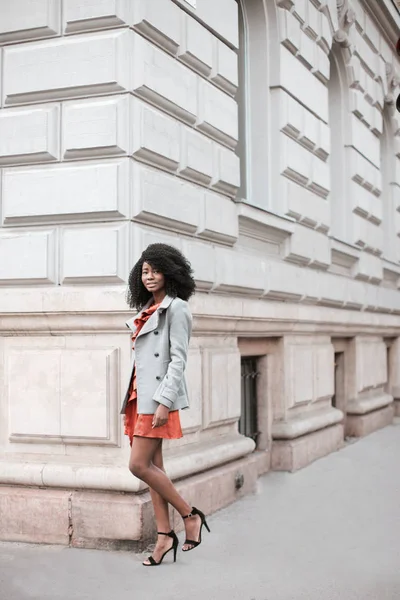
386	17
292	320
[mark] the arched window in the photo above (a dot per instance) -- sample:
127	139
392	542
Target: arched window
253	100
388	173
241	149
338	111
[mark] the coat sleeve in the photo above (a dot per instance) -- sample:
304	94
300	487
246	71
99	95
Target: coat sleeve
179	335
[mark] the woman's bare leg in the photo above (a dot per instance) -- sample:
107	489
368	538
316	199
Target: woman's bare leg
161	512
142	465
160	505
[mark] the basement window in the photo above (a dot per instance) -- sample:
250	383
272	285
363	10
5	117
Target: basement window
248	423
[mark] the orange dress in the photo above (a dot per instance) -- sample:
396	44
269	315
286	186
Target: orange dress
141	425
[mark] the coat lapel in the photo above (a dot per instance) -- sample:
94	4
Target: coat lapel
152	323
131	322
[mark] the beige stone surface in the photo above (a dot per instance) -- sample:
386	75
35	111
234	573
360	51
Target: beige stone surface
101	519
291	455
361	425
34	515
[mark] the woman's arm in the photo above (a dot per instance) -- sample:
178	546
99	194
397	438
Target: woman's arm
179	336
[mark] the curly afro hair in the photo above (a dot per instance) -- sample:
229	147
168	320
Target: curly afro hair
172	264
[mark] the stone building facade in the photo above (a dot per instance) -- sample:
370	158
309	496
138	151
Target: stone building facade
261	138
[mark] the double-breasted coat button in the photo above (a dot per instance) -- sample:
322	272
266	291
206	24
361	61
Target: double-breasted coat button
158	377
156	333
156	355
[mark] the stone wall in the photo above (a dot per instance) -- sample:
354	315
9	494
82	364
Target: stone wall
122	123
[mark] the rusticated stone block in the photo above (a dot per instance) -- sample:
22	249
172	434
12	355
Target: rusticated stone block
39	263
362	425
55	69
110	520
34	515
291	455
21	20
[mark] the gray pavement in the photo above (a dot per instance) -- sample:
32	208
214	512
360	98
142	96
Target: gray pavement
328	532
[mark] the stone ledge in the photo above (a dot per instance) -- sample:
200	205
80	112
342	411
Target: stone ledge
297	427
362	406
64	309
113	520
197	458
291	455
362	425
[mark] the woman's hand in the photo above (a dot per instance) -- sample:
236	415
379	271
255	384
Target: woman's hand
160	417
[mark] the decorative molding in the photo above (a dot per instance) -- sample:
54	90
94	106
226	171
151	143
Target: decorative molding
223	83
95	23
200	457
110	423
226	318
346	17
145	93
261	225
287	4
393	80
363	406
79	91
296	427
344	256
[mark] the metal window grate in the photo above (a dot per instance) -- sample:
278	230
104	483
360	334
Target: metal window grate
248	423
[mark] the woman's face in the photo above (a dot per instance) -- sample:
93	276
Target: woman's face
152	279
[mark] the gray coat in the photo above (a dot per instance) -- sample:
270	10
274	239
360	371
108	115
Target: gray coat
160	357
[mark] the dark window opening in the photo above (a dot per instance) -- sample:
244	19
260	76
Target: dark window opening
389	372
338	400
248	423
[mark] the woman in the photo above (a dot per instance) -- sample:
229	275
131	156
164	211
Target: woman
160	284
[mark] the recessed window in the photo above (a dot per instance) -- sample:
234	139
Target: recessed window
253	103
388	181
340	210
248	423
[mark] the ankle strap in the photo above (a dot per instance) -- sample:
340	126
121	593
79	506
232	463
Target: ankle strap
170	534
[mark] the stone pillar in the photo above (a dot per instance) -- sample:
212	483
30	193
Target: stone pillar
369	406
306	426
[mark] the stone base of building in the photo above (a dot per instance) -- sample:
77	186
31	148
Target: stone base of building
362	425
396	407
291	455
114	520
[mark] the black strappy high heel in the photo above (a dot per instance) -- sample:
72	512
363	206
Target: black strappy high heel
174	547
193	543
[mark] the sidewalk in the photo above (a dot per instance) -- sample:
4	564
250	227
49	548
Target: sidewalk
328	532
